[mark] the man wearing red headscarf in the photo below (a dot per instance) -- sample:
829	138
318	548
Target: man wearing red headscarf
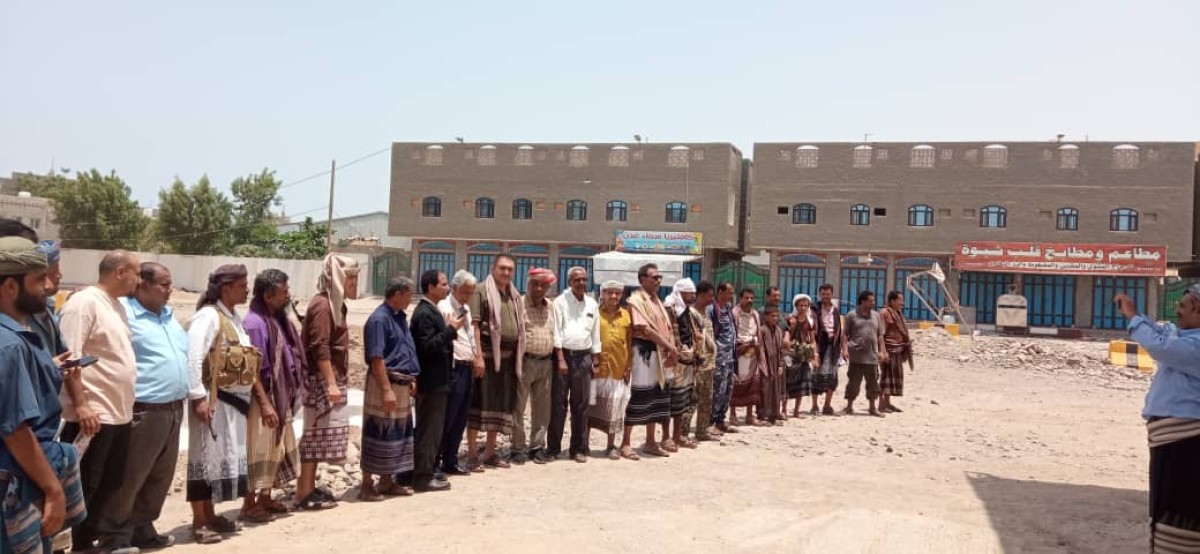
533	388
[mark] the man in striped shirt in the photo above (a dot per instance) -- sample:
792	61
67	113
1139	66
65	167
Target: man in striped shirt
1172	414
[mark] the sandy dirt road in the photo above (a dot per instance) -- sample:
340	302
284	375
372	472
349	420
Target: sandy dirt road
985	458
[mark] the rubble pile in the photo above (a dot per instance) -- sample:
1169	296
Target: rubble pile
1085	359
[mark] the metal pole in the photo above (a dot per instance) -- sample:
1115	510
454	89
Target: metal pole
329	219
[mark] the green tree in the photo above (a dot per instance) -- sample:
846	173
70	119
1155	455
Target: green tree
194	220
254	197
92	210
307	242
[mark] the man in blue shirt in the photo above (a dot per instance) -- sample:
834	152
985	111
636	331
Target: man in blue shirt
40	476
387	434
160	344
1172	414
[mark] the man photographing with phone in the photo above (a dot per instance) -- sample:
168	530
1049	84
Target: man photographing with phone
1172	416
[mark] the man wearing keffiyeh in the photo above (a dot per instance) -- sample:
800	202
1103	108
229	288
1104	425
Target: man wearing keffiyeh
326	339
40	476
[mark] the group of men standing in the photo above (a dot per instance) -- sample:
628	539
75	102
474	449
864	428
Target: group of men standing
473	358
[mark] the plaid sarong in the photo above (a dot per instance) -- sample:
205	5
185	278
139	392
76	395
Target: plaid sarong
272	459
22	516
387	437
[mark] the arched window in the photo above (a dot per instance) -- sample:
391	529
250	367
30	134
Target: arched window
807	156
860	214
522	209
920	215
1126	156
1123	219
678	156
922	155
1068	156
1067	220
995	156
431	206
616	210
618	156
524	155
676	212
485	208
577	210
804	214
579	157
862	156
993	217
487	155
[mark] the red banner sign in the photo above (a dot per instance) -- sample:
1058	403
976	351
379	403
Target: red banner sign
1062	259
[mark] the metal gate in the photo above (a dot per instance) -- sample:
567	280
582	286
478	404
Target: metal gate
565	265
1104	313
1172	293
801	274
388	265
743	276
980	291
914	310
1051	300
800	280
441	261
480	265
858	279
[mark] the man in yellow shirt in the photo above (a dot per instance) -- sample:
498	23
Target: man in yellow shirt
610	376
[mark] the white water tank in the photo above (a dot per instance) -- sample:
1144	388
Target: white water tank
24	194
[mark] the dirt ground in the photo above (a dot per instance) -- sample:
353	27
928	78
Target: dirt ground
1005	446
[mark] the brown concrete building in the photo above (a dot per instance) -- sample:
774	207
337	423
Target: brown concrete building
557	205
865	216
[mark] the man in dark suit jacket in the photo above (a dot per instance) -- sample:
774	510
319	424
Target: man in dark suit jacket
434	338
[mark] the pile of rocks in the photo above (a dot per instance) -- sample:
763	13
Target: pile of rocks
1087	359
336	478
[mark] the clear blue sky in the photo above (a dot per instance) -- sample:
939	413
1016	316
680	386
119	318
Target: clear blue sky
156	90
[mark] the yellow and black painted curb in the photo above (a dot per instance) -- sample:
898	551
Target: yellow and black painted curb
1129	354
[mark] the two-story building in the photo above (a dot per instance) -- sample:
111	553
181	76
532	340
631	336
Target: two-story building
866	216
558	205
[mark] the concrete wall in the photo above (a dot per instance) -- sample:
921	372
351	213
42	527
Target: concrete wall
80	267
32	211
709	184
1032	186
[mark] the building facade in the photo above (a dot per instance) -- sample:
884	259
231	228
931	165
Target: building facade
33	211
866	216
557	205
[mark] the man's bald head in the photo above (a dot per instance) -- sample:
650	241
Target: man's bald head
120	272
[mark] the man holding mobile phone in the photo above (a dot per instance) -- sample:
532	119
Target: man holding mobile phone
434	336
40	476
468	362
99	401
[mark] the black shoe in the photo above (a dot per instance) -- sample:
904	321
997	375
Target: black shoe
519	459
159	541
456	470
433	485
541	458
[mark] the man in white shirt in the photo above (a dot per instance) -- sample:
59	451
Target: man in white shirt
468	364
577	319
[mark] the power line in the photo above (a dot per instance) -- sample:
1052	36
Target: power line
340	166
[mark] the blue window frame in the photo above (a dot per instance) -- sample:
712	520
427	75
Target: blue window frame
1104	312
1123	219
920	215
980	291
1051	300
993	217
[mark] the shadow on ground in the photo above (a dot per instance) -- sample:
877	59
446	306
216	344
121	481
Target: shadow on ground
1040	517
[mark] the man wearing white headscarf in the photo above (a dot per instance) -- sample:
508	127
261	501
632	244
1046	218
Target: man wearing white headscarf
675	301
326	339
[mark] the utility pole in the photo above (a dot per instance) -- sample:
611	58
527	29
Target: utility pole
329	219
